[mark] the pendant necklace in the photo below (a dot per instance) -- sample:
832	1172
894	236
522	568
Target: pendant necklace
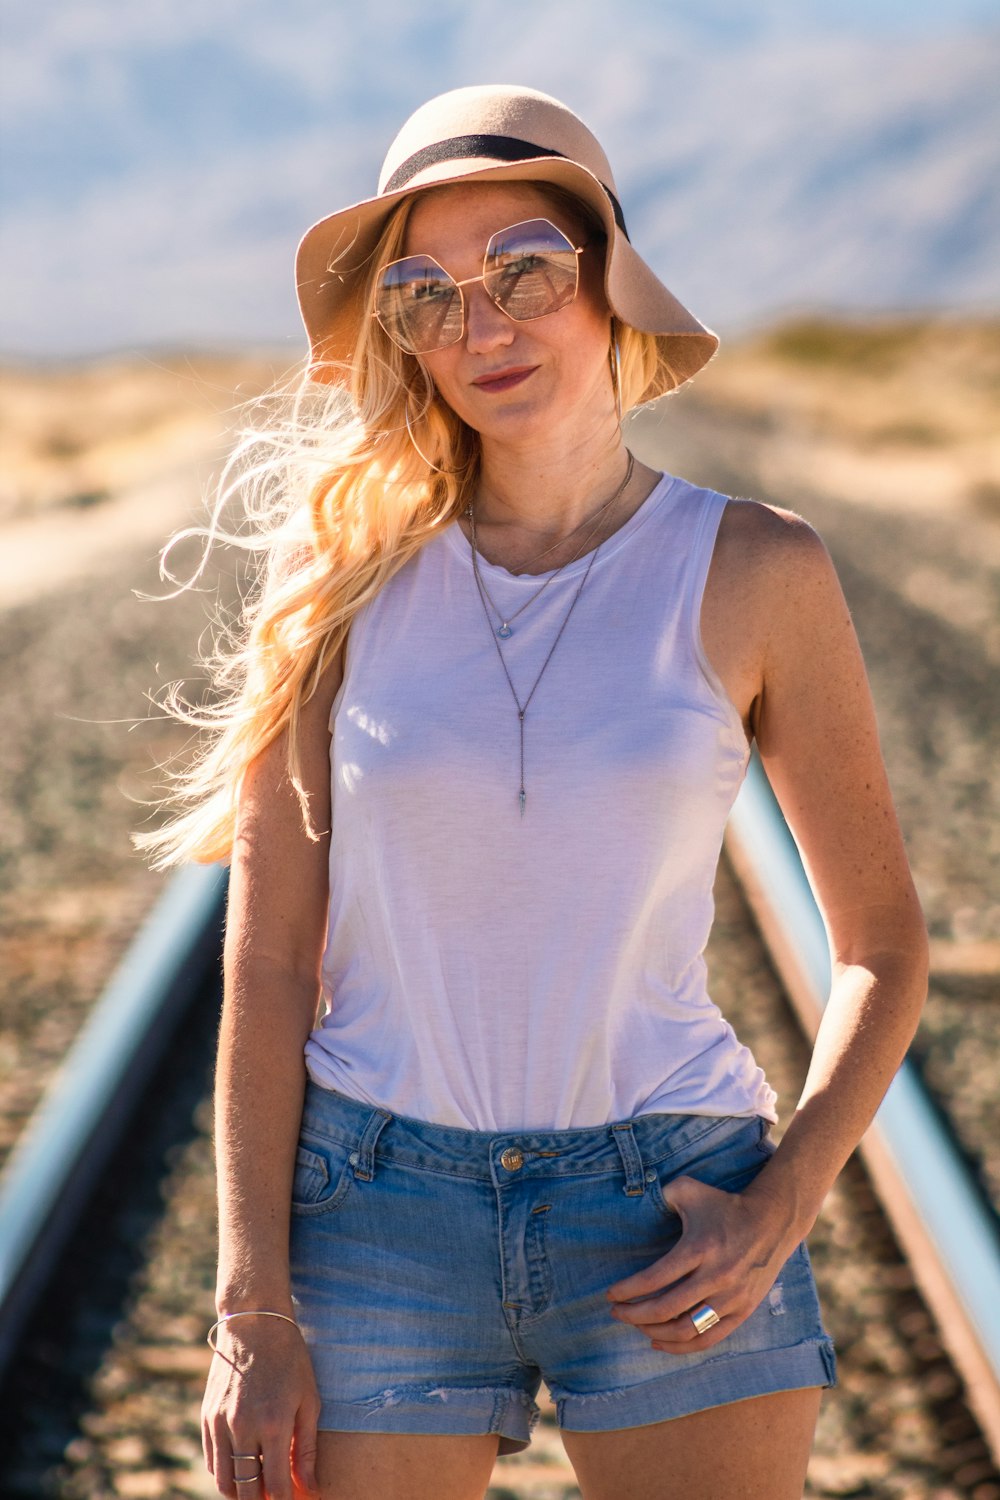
504	630
522	708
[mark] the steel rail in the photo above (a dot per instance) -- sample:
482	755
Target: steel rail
946	1229
52	1171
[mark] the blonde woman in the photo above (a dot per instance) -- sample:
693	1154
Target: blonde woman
479	1124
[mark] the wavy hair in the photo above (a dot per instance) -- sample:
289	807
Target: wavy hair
338	481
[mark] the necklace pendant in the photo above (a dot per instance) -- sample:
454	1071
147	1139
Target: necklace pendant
505	631
522	798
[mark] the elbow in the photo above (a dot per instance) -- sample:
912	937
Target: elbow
895	955
916	962
916	950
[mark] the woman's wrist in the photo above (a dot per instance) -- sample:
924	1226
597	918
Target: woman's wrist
782	1206
255	1314
274	1296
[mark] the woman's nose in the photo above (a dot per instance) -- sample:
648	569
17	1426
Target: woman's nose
486	327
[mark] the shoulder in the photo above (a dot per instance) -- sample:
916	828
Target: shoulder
773	605
768	535
774	555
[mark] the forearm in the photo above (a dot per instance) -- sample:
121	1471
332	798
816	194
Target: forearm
260	1083
868	1024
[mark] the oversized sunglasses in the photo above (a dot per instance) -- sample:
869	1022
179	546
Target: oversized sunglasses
529	270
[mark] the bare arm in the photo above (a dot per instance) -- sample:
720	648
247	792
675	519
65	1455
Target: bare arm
261	1395
818	740
799	681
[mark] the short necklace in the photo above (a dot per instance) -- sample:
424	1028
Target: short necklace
504	630
530	562
522	708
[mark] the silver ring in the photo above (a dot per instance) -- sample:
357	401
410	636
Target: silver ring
704	1318
244	1458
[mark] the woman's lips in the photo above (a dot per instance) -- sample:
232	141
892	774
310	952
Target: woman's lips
504	380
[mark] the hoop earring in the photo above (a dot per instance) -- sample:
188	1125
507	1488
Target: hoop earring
434	468
406	417
615	360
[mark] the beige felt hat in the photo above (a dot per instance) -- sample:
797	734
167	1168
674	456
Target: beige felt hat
491	133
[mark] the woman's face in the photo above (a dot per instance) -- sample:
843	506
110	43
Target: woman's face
512	381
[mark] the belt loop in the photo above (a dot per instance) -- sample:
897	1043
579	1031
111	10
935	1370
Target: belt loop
364	1157
631	1159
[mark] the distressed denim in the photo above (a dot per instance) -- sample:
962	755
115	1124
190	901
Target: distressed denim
440	1274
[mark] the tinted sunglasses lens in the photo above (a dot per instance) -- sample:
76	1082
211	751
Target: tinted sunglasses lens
419	305
531	270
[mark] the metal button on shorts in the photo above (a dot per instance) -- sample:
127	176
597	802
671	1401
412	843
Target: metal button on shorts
512	1159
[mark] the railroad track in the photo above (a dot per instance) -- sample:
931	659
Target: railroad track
107	1242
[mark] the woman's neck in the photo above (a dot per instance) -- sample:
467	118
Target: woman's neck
531	499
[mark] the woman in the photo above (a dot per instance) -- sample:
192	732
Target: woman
522	1143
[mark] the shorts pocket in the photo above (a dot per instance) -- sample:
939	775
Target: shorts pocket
323	1177
731	1164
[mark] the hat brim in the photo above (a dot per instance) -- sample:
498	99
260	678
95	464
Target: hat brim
334	254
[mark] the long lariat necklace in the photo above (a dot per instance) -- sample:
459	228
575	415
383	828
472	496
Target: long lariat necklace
504	630
522	708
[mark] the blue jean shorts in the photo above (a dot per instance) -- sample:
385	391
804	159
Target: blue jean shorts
441	1274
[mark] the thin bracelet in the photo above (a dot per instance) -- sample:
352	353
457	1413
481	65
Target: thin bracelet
257	1312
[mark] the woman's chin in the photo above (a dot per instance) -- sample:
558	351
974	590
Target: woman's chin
514	423
529	420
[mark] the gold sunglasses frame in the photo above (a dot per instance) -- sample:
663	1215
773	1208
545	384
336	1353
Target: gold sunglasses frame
470	280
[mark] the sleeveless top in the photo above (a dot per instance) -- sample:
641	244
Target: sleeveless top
501	971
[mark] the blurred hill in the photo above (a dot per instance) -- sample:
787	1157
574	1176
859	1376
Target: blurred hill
898	413
160	162
102	458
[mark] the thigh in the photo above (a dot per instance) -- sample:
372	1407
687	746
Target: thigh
403	1466
747	1450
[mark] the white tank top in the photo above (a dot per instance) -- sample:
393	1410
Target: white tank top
501	971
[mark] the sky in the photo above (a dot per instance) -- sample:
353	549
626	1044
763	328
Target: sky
158	162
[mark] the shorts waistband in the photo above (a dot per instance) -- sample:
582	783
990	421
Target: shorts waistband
373	1133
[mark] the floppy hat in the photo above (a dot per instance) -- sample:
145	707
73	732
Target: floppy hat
488	133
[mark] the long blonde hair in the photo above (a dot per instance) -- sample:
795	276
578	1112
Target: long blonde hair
355	470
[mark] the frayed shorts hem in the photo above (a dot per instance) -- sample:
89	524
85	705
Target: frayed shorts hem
512	1413
440	1410
681	1393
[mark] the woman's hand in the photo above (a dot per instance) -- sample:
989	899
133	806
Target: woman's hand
261	1398
729	1255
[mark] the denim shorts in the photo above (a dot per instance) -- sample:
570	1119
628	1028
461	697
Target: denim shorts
440	1274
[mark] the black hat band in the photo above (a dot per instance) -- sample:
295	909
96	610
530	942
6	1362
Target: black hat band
499	147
